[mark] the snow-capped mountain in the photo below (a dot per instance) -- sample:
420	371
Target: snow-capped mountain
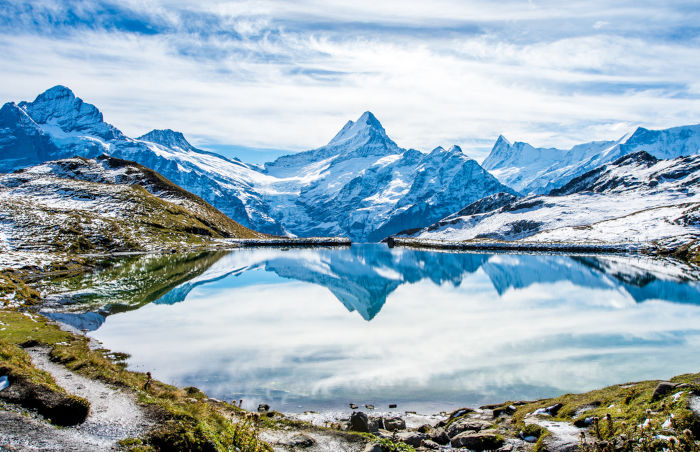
361	184
635	199
538	170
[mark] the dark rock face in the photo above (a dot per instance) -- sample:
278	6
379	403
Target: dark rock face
59	407
359	422
477	441
301	441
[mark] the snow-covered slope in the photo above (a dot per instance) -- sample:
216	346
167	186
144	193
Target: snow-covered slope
635	199
361	184
103	204
538	170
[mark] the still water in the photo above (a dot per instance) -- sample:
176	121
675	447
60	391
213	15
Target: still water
316	329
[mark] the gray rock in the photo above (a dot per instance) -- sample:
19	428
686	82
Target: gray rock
440	436
394	423
464	425
373	447
506	448
477	441
300	440
662	389
411	438
359	422
263	408
430	444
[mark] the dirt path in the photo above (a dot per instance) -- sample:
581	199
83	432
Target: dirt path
114	415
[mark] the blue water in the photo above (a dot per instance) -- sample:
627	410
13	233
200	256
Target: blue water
316	329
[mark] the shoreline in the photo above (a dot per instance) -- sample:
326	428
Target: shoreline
487	245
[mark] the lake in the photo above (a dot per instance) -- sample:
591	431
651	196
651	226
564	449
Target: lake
317	329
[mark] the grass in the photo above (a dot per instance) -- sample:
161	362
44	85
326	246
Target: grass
626	415
187	419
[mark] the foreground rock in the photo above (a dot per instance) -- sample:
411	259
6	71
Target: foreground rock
478	441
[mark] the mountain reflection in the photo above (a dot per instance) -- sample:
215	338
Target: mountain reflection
363	276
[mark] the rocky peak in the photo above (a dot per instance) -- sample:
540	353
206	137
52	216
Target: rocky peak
58	106
168	138
367	127
500	151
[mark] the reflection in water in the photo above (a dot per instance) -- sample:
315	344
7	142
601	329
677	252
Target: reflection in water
454	329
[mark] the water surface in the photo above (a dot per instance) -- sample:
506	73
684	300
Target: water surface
315	329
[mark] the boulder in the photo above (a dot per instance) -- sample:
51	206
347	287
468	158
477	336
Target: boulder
263	408
464	425
301	441
394	423
430	444
477	441
662	389
440	436
373	447
359	422
411	438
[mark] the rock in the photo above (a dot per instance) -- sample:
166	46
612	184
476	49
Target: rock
554	409
300	440
353	406
425	428
392	405
662	389
460	412
477	441
463	425
430	444
440	436
394	423
506	448
359	422
375	423
411	438
582	423
373	447
263	408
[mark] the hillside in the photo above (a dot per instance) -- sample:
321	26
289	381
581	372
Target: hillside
104	204
636	200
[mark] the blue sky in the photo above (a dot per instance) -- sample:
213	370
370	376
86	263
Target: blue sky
287	75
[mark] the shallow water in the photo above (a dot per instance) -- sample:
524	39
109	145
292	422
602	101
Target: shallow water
316	329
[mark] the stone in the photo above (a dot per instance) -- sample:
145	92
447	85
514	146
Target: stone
359	422
440	436
464	425
477	441
411	438
263	408
373	447
430	444
554	409
301	441
662	389
425	428
506	448
394	423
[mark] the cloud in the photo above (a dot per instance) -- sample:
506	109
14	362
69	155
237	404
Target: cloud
275	75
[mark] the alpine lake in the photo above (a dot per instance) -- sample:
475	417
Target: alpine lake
316	329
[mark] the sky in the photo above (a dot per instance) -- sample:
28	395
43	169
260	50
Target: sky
258	78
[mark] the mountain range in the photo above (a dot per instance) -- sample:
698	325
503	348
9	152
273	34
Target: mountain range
364	186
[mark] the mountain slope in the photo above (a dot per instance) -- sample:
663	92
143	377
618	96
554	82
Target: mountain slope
538	170
105	204
635	199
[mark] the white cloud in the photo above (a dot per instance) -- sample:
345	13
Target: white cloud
287	82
